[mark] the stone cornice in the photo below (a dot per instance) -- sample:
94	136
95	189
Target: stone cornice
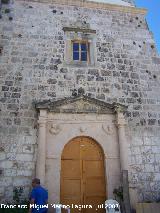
95	5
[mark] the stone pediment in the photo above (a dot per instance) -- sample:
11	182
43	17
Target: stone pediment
79	104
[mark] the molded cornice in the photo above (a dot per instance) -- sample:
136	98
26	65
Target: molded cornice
95	5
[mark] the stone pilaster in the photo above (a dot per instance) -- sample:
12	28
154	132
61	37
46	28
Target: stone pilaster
123	144
41	152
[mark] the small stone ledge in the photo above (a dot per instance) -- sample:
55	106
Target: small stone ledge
76	29
95	5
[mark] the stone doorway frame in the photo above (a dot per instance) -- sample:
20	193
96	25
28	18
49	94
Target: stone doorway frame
78	106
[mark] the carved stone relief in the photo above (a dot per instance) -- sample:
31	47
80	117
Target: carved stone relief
55	129
82	129
108	129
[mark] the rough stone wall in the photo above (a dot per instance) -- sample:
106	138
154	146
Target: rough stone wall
32	69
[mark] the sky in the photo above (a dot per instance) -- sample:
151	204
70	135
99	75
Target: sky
153	17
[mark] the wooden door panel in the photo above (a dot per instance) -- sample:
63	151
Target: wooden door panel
71	188
95	201
72	150
93	175
93	168
70	202
89	150
95	187
70	168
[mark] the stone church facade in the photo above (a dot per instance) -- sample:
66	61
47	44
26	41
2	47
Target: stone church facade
78	72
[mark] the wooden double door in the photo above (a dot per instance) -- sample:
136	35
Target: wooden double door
83	176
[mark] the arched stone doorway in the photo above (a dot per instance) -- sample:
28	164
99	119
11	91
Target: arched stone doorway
83	175
61	120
